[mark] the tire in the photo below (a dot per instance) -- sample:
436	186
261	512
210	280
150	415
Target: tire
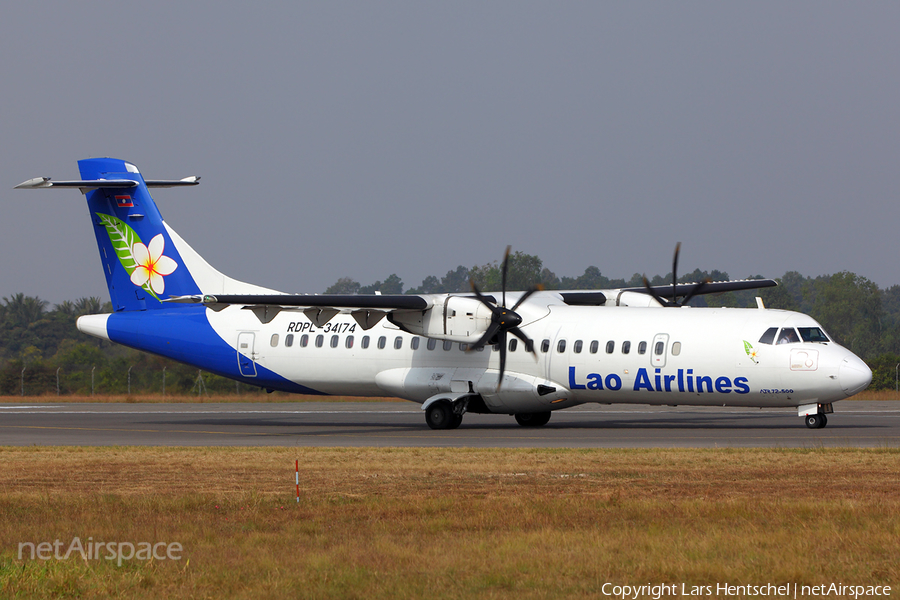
532	419
455	422
440	415
815	421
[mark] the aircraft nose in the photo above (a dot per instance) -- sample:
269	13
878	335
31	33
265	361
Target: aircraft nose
854	375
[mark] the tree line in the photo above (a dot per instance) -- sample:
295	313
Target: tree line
41	348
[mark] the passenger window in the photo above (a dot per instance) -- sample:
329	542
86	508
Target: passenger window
513	343
626	347
414	344
382	341
659	348
448	345
610	347
595	346
289	340
676	348
432	343
398	342
788	336
577	347
495	347
349	342
320	339
769	336
479	349
545	346
334	341
561	346
642	348
529	346
365	342
274	340
304	340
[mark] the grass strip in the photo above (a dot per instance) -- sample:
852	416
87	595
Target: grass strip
447	523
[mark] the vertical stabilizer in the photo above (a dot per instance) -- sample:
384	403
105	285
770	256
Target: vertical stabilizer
144	260
141	263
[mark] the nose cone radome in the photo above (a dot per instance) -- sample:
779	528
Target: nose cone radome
854	375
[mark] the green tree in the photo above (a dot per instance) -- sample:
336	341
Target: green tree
344	285
849	307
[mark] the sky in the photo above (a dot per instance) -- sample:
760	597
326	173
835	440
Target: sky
361	139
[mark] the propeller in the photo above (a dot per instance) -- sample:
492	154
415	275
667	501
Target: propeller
503	320
696	289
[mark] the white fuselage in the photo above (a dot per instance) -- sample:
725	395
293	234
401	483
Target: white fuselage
692	356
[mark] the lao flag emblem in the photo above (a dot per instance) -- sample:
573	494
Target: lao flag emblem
124	201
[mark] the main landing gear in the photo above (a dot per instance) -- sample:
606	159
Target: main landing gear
532	419
441	415
817	421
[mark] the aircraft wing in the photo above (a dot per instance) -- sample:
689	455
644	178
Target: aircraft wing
366	309
712	287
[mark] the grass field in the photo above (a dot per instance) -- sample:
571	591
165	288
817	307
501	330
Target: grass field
447	523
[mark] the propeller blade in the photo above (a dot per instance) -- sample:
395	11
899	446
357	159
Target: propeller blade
480	296
504	270
656	296
492	330
525	296
694	291
529	344
502	339
675	272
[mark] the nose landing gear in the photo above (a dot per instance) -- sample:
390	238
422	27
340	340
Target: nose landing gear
814	414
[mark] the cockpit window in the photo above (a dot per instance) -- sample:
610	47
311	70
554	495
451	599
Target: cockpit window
788	336
769	336
813	334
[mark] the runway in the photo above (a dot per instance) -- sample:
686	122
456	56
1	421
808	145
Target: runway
383	424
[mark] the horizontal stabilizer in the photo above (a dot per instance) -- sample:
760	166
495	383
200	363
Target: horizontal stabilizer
93	184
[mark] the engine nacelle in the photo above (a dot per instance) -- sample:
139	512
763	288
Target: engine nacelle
458	319
638	299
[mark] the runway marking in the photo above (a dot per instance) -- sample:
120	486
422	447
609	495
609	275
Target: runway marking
142	430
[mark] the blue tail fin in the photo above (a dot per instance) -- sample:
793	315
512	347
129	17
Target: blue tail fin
144	260
140	260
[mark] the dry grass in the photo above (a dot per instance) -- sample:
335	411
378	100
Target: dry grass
450	523
877	395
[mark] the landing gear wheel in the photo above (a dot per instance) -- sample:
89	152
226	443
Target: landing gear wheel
440	416
532	419
817	421
455	422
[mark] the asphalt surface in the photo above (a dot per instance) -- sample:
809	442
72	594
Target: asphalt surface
854	424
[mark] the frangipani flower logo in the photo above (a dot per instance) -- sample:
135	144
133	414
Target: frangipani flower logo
151	266
751	351
146	264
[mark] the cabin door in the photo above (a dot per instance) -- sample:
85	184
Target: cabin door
659	349
245	353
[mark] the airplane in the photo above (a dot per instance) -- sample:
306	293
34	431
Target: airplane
525	354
